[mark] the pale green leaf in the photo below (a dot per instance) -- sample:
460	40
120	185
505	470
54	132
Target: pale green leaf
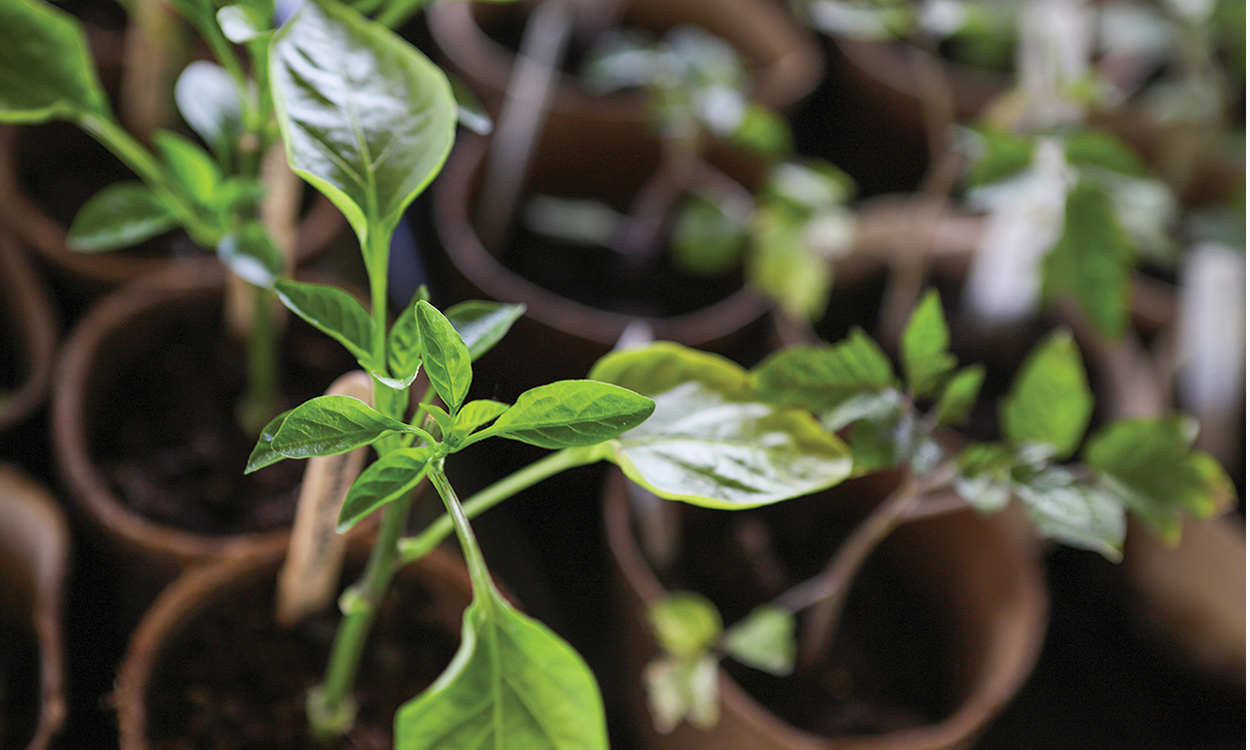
403	346
683	689
764	639
819	378
960	395
209	102
925	347
483	324
662	365
194	171
684	623
251	255
1050	401
1079	515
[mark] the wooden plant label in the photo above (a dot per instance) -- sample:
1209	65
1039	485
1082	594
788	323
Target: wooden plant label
309	578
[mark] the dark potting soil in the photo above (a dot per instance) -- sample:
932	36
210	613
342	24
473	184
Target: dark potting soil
236	680
166	435
19	684
885	669
603	278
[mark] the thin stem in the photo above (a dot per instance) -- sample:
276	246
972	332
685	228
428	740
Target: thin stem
479	574
260	401
414	548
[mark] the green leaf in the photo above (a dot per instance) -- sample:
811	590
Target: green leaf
329	425
1151	464
984	480
192	168
448	363
483	324
1102	149
240	23
385	480
1005	154
403	346
120	215
208	101
785	267
263	454
47	71
680	689
332	311
366	118
251	255
475	414
660	366
1050	401
960	395
513	683
685	623
821	377
571	413
1076	514
706	449
706	240
764	639
925	347
1092	259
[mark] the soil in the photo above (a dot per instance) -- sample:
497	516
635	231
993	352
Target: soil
884	670
19	684
235	679
166	436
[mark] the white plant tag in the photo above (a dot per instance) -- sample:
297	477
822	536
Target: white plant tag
310	575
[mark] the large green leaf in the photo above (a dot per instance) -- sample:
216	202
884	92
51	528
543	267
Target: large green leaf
329	425
512	684
121	215
1150	463
46	70
571	413
483	324
387	479
1050	401
704	448
660	366
366	118
448	363
925	347
822	377
332	311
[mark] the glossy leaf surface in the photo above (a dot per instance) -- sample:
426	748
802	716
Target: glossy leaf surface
571	413
385	480
120	215
447	361
332	311
1075	513
46	71
263	454
482	324
329	425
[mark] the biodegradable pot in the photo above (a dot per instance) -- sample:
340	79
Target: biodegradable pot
30	335
34	565
209	667
561	336
143	420
962	596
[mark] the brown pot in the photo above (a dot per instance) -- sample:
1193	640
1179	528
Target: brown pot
169	678
34	565
110	409
977	577
560	337
31	334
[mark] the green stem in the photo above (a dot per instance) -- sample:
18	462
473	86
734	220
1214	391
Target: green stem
260	402
416	547
478	572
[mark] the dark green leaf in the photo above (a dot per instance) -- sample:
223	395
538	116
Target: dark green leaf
385	480
706	240
448	364
46	71
251	255
329	425
263	454
366	118
1150	462
1092	259
960	395
1101	149
822	377
332	311
482	324
1050	401
1076	514
926	347
121	215
764	639
571	413
513	683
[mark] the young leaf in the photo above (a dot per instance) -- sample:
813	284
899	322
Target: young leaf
251	255
925	347
332	311
785	266
47	71
1093	258
329	425
387	479
513	683
984	480
960	395
447	360
821	377
208	101
684	623
1050	401
483	324
263	454
240	23
366	118
403	346
680	689
571	413
475	414
764	639
191	167
121	215
1076	514
1149	462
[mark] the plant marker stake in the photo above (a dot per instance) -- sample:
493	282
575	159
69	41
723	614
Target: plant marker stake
309	578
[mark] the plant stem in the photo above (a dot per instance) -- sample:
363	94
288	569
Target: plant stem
259	403
479	574
414	548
